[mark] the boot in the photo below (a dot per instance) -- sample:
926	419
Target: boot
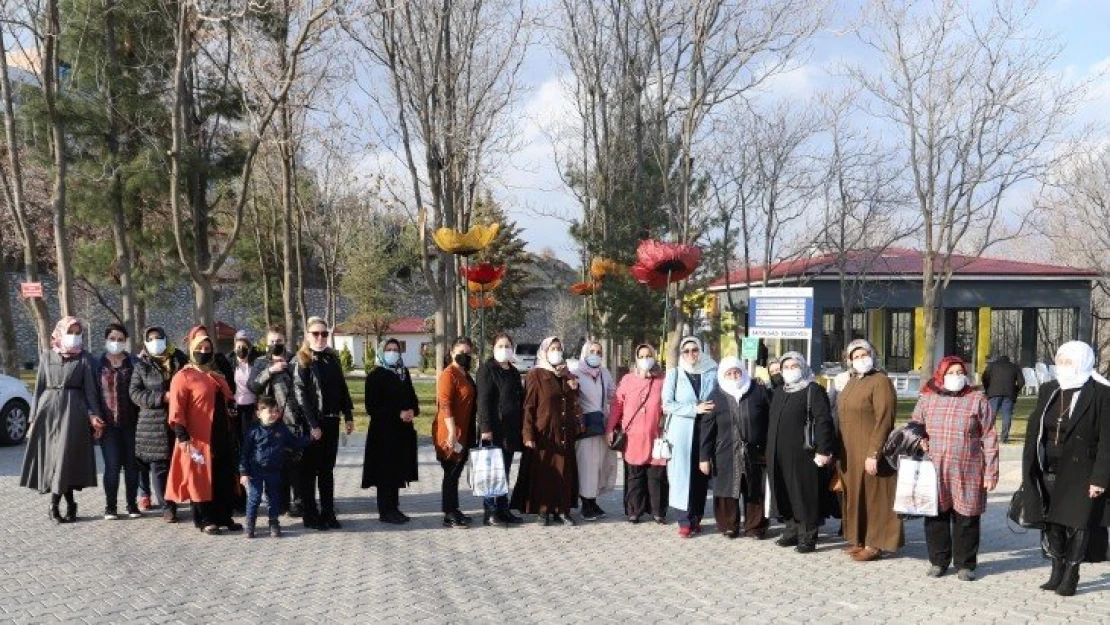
1069	580
1057	575
56	514
588	510
275	529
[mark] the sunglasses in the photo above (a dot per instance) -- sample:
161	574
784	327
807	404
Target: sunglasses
320	335
690	351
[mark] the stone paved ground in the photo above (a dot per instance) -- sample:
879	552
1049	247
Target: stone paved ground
146	571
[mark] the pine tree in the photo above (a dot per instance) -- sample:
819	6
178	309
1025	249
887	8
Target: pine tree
518	285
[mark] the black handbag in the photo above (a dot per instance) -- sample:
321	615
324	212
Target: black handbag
1016	513
620	437
809	432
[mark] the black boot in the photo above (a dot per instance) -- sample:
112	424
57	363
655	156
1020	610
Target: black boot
1069	580
56	514
1057	574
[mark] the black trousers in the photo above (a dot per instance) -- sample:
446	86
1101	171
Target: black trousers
292	482
452	471
645	490
318	471
699	485
1061	542
389	499
952	538
805	533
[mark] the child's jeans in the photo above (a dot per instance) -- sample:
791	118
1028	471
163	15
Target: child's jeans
271	483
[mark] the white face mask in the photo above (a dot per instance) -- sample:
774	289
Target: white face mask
113	347
72	341
555	358
863	365
1069	376
645	364
955	382
593	360
791	376
317	349
155	347
391	358
502	354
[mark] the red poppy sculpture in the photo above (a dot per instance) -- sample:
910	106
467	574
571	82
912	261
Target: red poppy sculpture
483	273
481	280
482	301
659	264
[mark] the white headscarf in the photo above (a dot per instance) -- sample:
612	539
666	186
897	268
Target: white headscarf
736	391
1083	356
541	356
807	373
704	364
583	366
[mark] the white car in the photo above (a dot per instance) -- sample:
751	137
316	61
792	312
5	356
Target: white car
15	410
524	356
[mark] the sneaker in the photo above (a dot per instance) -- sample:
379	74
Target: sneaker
597	510
450	521
965	575
492	519
805	548
249	532
936	571
588	512
110	515
332	523
659	520
133	513
275	529
685	531
569	519
144	503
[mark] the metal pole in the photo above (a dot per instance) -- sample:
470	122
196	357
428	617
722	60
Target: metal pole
482	329
666	314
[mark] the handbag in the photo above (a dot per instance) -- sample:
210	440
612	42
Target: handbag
487	472
661	449
620	437
916	493
1016	513
809	433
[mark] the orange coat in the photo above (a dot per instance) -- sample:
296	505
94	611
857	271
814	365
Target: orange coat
456	396
193	397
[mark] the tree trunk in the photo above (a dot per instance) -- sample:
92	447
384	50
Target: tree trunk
50	88
298	258
204	303
288	284
930	321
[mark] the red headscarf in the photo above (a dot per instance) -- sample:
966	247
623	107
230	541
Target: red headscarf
192	334
936	384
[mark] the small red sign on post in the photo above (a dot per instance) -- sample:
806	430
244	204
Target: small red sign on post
30	290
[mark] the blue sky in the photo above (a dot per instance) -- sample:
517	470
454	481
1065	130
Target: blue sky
530	186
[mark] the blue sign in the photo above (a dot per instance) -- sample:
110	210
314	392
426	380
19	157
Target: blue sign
781	313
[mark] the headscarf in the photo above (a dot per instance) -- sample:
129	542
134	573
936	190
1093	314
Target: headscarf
541	356
379	358
704	364
635	368
1083	356
61	329
583	367
165	360
192	333
807	373
936	385
860	344
193	345
728	363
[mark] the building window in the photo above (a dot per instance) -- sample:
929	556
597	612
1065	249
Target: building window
404	347
899	340
832	332
1006	334
1055	326
964	326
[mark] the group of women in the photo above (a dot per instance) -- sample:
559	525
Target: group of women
787	449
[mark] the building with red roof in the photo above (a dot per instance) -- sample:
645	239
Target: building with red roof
359	337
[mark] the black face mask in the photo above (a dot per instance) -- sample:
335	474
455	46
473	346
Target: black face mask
202	358
462	360
241	352
277	349
777	381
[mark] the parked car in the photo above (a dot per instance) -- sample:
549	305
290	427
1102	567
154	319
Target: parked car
15	410
524	356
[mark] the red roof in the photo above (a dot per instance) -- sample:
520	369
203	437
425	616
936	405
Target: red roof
899	262
408	325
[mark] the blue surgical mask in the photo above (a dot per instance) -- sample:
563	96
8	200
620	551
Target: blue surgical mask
391	358
593	360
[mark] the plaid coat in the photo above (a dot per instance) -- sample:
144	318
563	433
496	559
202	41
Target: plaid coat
963	446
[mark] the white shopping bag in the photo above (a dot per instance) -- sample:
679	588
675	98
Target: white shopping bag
487	472
917	493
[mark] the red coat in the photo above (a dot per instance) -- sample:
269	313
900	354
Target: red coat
629	406
193	397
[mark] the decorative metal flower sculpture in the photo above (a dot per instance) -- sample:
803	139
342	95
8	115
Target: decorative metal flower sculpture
585	289
465	243
600	268
659	264
483	277
481	302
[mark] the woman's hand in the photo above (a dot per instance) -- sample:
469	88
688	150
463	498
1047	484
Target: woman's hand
316	433
820	460
705	407
925	445
487	436
408	415
1095	491
572	382
871	466
704	466
349	426
990	485
530	444
244	481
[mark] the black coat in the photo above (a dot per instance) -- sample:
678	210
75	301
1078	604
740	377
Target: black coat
501	404
149	385
390	457
278	386
1084	459
320	371
799	487
1003	378
734	440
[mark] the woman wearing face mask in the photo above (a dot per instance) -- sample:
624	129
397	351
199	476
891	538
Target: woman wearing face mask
1066	463
220	363
686	395
548	480
638	411
453	428
203	466
796	474
65	419
963	446
597	464
866	407
272	376
500	418
774	372
113	374
241	360
150	385
733	447
390	459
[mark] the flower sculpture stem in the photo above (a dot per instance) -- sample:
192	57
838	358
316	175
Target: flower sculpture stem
666	314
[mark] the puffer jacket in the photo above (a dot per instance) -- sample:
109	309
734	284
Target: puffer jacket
279	386
264	448
149	385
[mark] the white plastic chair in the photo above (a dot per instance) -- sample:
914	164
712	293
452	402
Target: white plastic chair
1042	373
1032	386
1052	372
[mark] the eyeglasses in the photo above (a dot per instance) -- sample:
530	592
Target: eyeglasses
690	351
320	335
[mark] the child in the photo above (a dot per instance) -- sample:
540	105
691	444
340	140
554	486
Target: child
264	451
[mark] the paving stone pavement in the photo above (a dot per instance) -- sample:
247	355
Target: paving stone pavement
149	572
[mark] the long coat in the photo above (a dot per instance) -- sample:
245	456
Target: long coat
866	406
59	452
638	408
193	404
963	447
1084	459
798	486
680	401
390	458
501	404
548	480
456	397
734	441
149	386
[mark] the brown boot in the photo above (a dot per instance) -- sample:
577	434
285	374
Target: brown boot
867	554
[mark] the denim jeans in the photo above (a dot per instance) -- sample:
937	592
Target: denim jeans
157	472
270	483
117	448
1005	405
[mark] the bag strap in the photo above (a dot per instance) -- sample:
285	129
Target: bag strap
643	403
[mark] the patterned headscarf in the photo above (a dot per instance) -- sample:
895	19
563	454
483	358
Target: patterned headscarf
541	356
807	373
583	367
865	345
936	384
704	364
61	329
379	358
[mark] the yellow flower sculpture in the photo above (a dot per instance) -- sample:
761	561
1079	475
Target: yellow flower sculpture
602	267
465	243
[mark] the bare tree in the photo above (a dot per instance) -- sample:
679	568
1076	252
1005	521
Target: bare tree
970	91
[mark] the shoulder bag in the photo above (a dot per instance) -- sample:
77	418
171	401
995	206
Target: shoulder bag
661	448
620	437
